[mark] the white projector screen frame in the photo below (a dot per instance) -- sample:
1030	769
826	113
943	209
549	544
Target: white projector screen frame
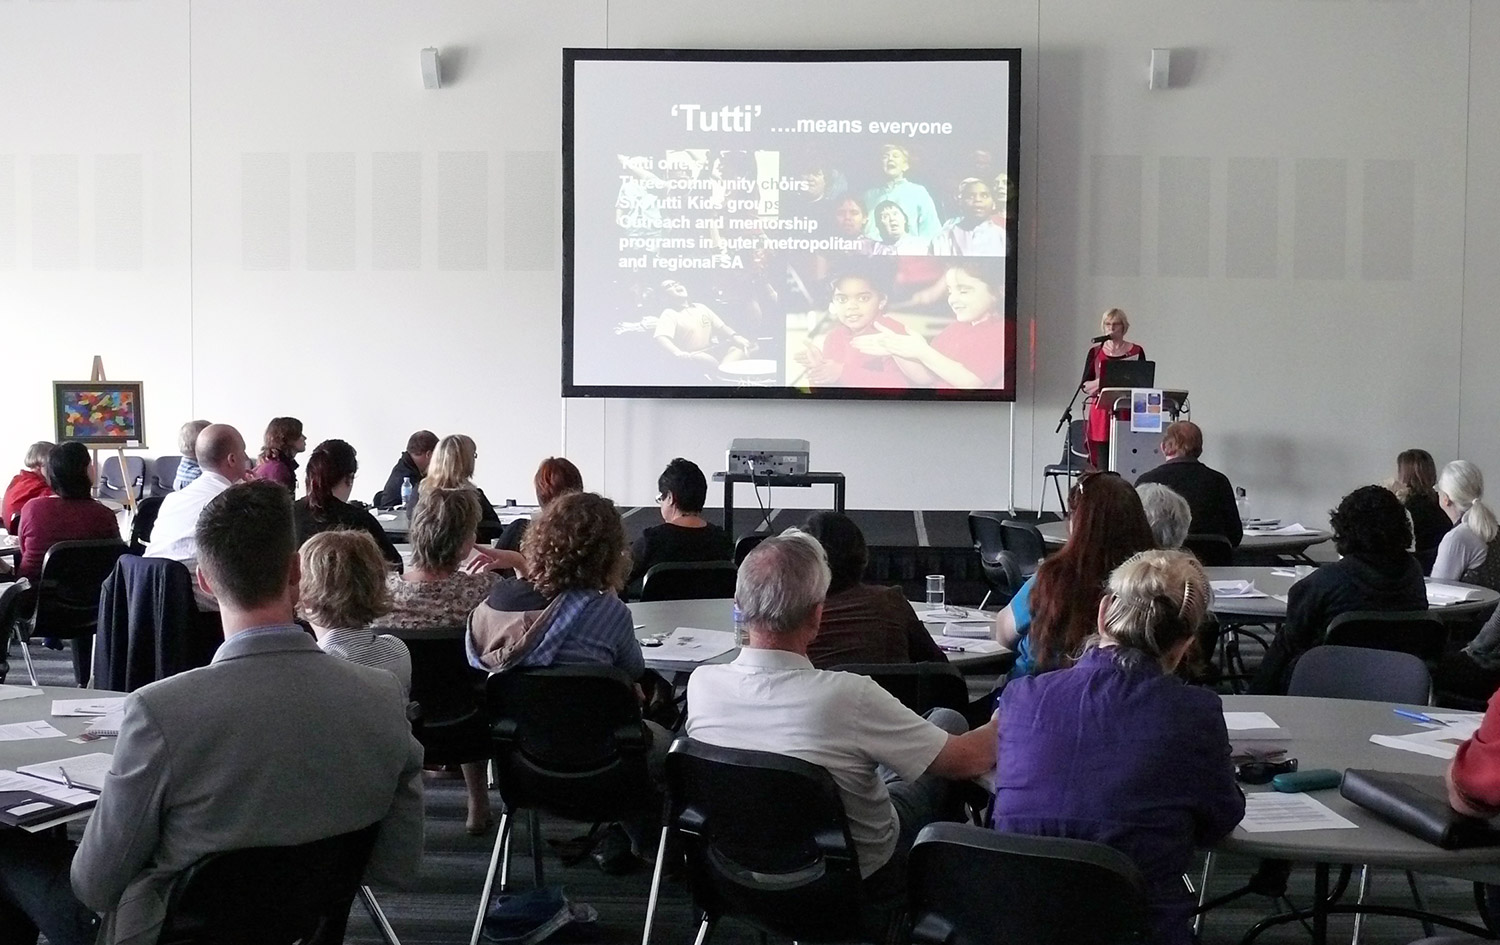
720	231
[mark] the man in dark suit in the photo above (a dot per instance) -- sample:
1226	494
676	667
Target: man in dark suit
1207	490
274	743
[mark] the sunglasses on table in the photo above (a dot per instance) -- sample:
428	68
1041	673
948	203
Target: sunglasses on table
1261	772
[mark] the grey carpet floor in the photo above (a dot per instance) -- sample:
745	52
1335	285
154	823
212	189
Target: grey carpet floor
441	906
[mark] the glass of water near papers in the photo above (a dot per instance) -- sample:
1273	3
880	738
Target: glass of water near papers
937	591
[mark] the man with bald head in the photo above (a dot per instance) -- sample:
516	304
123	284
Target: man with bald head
222	456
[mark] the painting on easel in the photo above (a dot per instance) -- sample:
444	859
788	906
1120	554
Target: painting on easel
99	413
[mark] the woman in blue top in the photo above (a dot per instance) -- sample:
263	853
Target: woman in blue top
1053	612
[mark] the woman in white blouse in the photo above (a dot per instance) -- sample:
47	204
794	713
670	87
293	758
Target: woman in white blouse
1470	552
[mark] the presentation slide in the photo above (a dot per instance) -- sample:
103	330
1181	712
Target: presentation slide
790	224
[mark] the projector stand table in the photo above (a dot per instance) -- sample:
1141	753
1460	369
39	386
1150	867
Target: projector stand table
730	480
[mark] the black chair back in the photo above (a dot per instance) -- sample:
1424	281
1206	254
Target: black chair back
766	841
163	474
919	686
1418	632
745	545
269	895
448	693
1059	891
146	511
569	740
689	580
1212	551
1356	672
1025	541
67	600
115	481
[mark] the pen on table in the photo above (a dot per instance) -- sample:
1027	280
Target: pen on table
67	780
949	648
1418	716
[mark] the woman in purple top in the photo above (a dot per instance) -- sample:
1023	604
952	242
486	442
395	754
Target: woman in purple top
1118	750
278	453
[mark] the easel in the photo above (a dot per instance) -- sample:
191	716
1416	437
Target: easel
96	375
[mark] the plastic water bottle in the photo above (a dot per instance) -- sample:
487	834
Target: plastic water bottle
741	635
1242	502
406	490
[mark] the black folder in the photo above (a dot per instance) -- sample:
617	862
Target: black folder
28	808
1418	804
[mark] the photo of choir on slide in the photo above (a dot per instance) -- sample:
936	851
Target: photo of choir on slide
906	287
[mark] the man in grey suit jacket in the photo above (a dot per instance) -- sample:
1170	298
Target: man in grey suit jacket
274	743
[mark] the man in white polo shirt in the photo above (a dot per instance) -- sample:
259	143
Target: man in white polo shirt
221	454
894	769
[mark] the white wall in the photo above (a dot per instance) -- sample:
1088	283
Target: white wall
258	210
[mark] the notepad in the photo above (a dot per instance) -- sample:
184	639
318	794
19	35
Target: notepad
86	708
953	644
108	724
1443	595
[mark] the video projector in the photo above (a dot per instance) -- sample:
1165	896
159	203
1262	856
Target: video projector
764	457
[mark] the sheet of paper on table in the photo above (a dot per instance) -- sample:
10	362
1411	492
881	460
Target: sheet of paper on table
1437	741
15	781
693	645
17	692
1245	721
86	708
953	644
86	771
1274	812
1236	589
19	731
1296	528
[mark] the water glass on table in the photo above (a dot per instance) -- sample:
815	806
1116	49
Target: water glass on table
937	591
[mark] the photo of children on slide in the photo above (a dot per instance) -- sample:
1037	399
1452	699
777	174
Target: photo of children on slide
841	225
738	310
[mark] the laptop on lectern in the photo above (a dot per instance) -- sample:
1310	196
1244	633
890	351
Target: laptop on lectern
1130	373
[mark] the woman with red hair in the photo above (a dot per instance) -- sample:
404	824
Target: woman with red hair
555	477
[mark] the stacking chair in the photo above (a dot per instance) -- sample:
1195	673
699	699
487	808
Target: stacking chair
1418	632
1025	541
64	603
919	686
1212	551
1332	671
447	695
115	482
569	741
1002	569
146	511
1058	891
744	546
163	475
765	841
273	895
1074	463
689	580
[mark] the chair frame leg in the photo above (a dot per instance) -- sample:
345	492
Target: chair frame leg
26	655
656	874
704	929
1208	868
535	819
986	599
502	846
1359	917
377	915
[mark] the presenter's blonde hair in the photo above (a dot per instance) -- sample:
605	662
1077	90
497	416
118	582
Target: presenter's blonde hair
1157	599
1113	313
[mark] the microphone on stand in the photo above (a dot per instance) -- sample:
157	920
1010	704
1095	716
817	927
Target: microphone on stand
1099	339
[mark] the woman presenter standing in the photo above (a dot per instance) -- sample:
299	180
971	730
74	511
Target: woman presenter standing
1114	348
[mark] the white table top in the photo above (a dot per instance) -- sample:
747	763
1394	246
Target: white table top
656	617
1275	582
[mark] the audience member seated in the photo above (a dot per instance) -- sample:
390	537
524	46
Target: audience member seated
452	467
1087	752
221	454
554	477
412	465
1048	619
278	452
1471	674
343	591
1375	572
437	592
1207	491
187	444
1416	486
1470	552
273	743
862	623
893	768
70	514
1170	516
30	483
330	482
683	534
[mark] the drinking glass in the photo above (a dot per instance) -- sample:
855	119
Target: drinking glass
937	591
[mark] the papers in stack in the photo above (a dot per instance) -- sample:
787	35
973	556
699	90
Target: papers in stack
692	645
85	771
1438	741
1262	522
1296	528
1443	595
86	708
1236	589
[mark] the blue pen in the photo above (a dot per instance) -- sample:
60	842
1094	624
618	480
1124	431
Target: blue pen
1418	717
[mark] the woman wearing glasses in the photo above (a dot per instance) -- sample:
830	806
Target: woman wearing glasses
1118	750
683	535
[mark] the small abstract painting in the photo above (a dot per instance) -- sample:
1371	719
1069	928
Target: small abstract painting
109	413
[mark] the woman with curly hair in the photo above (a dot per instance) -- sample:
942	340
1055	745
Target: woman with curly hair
1377	572
278	452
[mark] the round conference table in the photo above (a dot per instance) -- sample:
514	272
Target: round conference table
653	619
1335	733
1254	543
30	751
1275	582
